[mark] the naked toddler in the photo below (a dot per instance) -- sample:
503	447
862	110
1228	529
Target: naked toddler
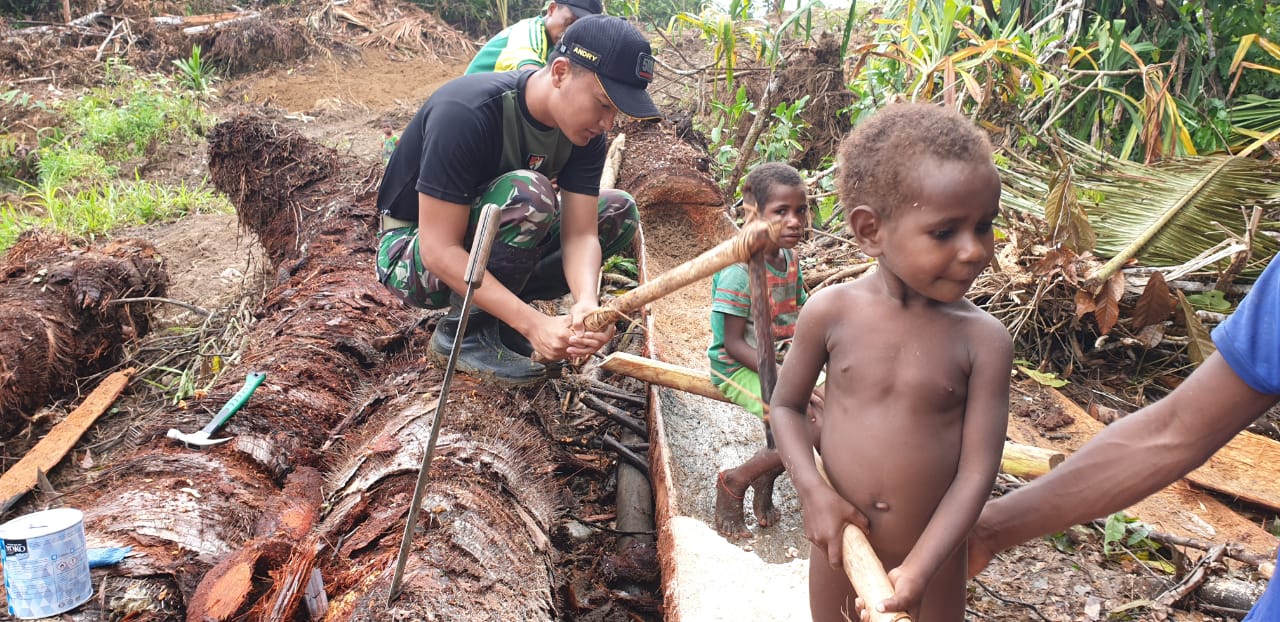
917	376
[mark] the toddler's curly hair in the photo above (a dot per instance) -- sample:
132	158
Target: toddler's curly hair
879	159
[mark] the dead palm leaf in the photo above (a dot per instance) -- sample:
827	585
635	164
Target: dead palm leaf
1163	214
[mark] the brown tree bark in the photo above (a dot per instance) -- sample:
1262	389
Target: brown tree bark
58	321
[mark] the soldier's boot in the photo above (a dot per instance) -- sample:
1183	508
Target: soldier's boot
483	352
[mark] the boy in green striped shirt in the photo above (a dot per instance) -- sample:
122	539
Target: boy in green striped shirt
774	192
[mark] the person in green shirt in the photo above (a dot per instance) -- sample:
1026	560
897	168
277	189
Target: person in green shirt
774	192
528	42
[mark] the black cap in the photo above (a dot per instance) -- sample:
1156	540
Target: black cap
620	57
582	8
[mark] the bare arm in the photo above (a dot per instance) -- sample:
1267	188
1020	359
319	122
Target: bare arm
825	511
441	247
580	239
1172	436
735	342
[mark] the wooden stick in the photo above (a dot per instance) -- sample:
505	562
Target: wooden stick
762	319
738	249
22	476
1028	461
662	374
863	567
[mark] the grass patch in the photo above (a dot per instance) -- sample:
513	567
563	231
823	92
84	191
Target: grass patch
133	113
110	129
100	209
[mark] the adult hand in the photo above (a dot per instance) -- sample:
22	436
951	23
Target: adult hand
583	342
908	589
550	337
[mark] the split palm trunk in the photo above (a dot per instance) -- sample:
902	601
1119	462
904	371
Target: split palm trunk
324	454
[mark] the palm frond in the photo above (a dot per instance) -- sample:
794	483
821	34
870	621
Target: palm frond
1163	214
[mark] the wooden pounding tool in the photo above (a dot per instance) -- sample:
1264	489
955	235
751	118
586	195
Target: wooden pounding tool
752	238
762	321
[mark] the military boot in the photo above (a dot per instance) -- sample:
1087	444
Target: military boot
483	353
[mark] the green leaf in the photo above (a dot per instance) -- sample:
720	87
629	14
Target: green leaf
1113	532
1165	214
1048	379
1212	300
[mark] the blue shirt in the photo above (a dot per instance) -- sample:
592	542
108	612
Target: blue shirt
1249	340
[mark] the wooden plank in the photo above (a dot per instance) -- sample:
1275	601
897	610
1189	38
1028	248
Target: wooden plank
49	451
662	373
1179	509
1245	469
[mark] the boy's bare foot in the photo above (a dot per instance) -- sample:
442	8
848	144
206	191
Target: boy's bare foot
729	519
767	515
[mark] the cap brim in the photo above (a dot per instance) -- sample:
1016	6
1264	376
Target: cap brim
579	12
631	101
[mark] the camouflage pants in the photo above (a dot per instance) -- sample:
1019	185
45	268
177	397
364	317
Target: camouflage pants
529	218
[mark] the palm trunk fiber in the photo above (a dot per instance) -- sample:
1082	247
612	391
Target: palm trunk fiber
324	454
58	321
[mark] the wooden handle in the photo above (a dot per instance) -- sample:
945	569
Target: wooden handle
738	249
867	574
863	567
750	239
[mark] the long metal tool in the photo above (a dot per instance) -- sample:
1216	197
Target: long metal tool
481	244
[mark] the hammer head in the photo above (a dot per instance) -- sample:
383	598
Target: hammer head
199	439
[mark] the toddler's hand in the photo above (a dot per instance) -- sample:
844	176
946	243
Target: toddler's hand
825	516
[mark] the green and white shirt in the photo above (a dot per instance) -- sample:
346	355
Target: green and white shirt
521	45
731	295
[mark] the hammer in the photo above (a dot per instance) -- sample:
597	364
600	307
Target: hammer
201	438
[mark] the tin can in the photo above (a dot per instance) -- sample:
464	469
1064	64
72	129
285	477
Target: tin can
46	563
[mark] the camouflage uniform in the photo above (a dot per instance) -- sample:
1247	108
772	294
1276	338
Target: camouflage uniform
530	219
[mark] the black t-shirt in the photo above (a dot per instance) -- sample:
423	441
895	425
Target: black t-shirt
453	148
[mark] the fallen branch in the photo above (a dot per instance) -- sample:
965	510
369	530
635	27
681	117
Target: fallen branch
617	415
630	457
1189	583
843	275
20	479
185	305
195	30
1264	564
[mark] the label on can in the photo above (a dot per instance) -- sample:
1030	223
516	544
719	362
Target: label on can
46	563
